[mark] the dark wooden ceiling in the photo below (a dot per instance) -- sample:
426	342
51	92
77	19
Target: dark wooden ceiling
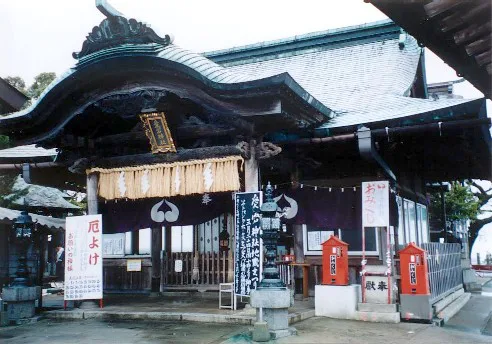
459	32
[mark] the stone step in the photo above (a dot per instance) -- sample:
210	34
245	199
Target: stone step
380	317
377	307
454	307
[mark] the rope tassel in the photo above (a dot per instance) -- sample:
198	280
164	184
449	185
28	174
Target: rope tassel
171	179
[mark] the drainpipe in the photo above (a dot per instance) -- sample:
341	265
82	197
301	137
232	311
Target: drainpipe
368	151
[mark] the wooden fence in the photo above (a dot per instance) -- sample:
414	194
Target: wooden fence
213	268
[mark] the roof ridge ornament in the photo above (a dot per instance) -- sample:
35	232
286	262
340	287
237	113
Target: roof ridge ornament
117	30
109	11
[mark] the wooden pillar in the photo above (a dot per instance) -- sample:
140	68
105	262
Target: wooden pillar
251	170
135	241
156	257
298	243
299	253
92	180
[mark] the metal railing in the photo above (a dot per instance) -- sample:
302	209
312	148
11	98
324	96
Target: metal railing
444	266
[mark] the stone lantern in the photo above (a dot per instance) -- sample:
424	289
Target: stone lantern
271	299
20	296
22	230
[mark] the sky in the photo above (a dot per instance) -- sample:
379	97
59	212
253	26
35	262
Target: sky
40	36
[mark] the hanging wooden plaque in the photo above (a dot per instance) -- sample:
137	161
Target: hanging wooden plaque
157	130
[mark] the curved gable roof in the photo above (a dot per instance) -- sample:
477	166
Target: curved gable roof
140	56
363	73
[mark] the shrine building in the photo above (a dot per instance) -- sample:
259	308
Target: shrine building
160	138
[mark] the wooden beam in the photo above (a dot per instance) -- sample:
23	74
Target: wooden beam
478	46
484	58
183	132
181	155
475	14
435	8
472	32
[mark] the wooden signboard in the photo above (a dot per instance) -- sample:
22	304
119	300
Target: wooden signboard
156	129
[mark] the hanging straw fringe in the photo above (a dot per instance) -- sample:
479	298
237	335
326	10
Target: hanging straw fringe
170	179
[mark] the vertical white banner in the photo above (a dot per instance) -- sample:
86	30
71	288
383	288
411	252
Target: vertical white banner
83	258
375	204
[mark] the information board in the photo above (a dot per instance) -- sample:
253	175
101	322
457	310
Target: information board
247	257
375	204
83	258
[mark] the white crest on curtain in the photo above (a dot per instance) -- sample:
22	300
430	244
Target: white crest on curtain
144	182
208	178
121	184
159	216
177	179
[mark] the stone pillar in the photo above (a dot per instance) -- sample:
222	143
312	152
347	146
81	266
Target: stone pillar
251	170
92	209
92	181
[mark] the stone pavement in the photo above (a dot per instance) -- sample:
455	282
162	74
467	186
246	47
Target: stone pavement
314	330
200	307
473	316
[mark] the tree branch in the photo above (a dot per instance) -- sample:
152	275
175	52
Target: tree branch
482	195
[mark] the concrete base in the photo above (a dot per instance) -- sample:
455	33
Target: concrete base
470	281
274	304
21	302
260	332
416	307
443	303
453	308
338	302
277	318
3	315
378	317
291	331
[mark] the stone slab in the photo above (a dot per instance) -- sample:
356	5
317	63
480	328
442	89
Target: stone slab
392	318
376	289
440	305
377	307
291	331
338	302
16	294
260	332
416	307
276	318
20	310
454	307
265	298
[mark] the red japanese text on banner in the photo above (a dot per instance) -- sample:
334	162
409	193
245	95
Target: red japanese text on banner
83	258
375	204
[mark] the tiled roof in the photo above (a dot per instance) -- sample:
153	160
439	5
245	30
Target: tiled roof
203	65
362	83
10	215
29	151
39	196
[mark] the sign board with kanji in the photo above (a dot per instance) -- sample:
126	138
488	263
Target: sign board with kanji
134	265
83	258
413	273
375	204
248	256
157	130
376	289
